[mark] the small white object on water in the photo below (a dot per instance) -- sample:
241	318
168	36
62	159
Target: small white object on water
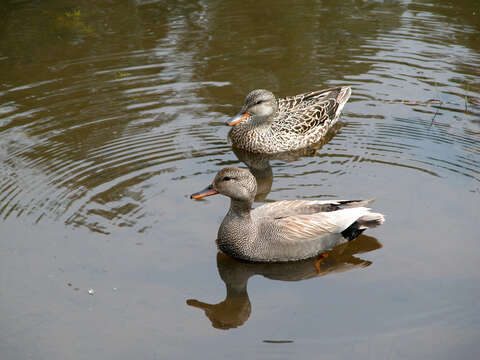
91	291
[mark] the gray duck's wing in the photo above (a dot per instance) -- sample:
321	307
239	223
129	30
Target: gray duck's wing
310	227
299	229
301	236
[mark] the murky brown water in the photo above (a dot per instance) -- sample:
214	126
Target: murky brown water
111	114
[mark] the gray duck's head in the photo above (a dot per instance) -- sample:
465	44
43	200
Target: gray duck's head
259	105
236	183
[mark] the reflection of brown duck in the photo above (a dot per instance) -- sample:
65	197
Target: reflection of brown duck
259	164
235	310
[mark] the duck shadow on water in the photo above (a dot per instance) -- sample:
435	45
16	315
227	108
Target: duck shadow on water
235	310
259	164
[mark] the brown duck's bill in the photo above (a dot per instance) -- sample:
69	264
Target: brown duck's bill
208	191
199	304
238	119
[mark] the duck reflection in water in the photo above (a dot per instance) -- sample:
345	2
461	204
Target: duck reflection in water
259	164
235	310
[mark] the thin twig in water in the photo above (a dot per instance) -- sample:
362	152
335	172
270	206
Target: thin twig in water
472	100
410	102
434	116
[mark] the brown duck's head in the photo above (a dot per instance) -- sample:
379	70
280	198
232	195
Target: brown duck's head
259	105
236	183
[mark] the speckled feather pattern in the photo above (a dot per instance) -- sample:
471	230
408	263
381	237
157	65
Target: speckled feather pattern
298	122
285	230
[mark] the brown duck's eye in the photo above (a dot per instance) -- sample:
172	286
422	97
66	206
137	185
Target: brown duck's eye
227	178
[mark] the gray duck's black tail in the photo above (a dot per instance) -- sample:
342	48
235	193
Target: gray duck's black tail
370	220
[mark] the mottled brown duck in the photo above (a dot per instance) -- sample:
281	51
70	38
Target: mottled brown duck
269	125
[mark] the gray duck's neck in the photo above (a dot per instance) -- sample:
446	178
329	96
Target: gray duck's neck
240	208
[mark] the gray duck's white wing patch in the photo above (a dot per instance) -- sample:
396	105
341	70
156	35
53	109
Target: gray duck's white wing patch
285	208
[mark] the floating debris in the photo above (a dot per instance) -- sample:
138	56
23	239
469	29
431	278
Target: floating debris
474	101
409	102
278	341
471	100
91	291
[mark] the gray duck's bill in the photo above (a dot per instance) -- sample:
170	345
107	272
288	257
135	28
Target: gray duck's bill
208	191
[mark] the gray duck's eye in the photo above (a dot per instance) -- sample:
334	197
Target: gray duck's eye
227	178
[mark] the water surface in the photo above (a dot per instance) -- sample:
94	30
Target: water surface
111	114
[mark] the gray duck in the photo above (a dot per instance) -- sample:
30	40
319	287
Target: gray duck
269	125
285	230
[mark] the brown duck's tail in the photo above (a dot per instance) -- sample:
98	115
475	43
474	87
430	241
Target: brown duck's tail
344	94
342	98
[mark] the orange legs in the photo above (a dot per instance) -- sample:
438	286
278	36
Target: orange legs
317	264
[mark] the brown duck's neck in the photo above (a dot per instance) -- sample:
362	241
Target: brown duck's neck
261	124
240	207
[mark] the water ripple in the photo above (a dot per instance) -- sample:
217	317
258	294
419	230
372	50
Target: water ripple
106	133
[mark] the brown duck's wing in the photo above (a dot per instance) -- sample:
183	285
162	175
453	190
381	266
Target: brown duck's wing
292	103
305	112
285	208
307	120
